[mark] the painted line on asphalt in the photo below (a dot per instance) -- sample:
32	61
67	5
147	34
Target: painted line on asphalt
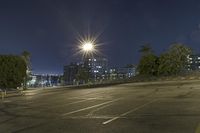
100	108
6	101
92	117
58	105
80	101
43	93
91	94
130	111
87	108
77	102
55	105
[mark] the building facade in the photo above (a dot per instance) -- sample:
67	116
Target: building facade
98	68
44	80
122	72
92	69
95	70
193	62
126	72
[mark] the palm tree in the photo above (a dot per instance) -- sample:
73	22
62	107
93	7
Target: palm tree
26	56
145	49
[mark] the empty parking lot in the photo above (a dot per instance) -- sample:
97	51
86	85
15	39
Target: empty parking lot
153	107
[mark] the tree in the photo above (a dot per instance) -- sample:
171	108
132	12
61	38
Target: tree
12	71
26	57
174	61
146	49
149	61
148	65
82	75
166	67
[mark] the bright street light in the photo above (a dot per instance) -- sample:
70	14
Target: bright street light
88	46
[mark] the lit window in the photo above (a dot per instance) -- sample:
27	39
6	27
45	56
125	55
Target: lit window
96	71
99	66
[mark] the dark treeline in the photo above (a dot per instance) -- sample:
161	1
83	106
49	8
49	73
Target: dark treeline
173	61
12	71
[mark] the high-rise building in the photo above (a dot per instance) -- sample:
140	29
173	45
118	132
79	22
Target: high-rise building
113	74
193	62
98	67
126	72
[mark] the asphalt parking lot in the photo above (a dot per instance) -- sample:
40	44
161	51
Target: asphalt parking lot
154	107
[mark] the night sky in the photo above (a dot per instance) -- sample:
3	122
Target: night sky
48	29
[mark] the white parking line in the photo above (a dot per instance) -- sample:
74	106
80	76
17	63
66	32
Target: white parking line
92	117
91	95
80	101
130	111
100	108
6	101
83	109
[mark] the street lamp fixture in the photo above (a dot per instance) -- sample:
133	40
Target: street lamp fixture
88	46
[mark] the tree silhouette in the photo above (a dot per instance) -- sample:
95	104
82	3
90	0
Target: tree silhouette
12	71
